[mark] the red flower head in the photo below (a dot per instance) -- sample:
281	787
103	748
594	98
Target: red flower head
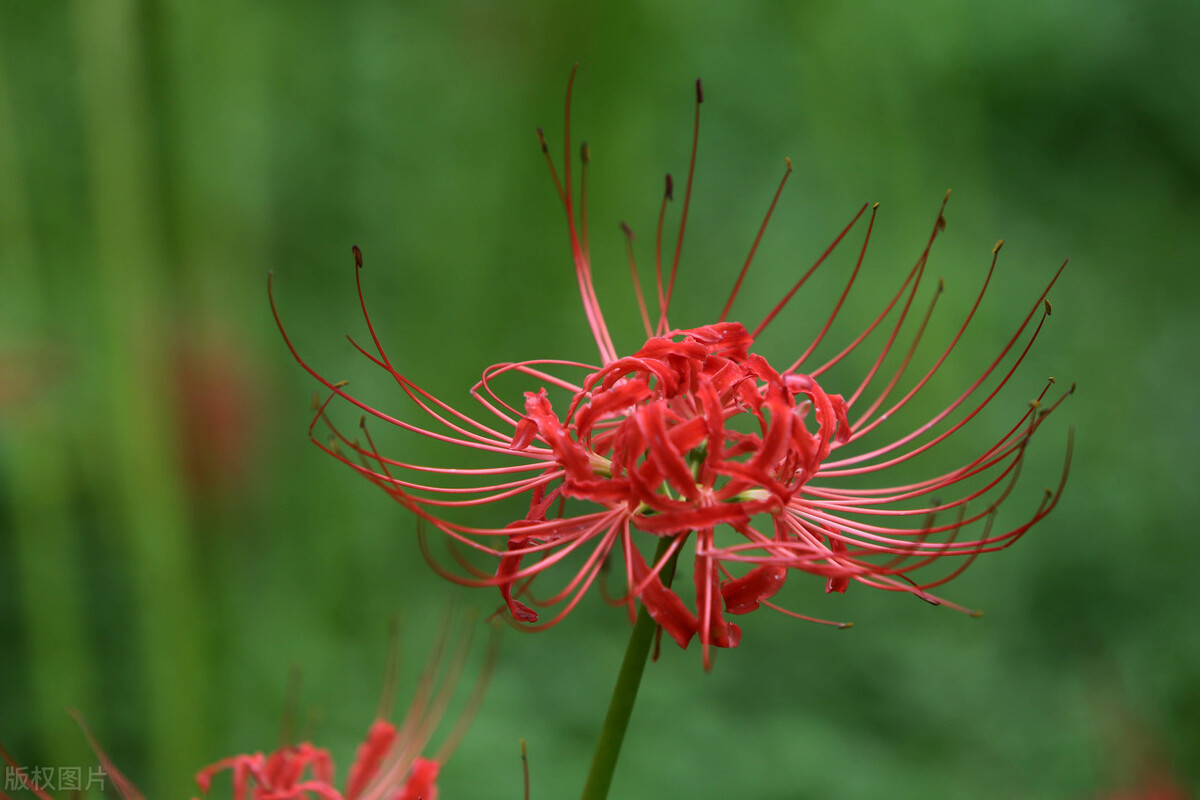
385	768
388	765
695	438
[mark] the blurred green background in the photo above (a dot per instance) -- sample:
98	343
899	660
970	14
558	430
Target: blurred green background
171	545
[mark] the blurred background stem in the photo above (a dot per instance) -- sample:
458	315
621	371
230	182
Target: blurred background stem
34	459
140	458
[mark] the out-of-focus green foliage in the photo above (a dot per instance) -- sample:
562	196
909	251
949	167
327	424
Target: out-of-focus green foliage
171	545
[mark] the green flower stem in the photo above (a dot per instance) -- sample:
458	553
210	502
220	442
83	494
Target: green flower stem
131	362
41	427
620	707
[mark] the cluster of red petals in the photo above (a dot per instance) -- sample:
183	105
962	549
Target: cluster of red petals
631	435
650	434
694	436
387	767
389	764
384	769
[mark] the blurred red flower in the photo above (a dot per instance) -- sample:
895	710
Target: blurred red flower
389	764
386	767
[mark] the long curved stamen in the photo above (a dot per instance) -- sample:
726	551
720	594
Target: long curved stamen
637	281
757	239
945	354
837	307
663	326
779	306
914	277
668	195
583	269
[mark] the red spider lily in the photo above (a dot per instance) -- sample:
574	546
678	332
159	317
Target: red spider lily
388	765
693	434
384	768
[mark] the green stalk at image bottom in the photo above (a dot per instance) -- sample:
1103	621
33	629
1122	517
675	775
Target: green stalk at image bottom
629	680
